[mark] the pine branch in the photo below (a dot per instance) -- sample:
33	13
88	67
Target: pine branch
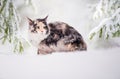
108	28
9	26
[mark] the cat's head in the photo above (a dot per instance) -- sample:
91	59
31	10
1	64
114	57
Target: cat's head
38	26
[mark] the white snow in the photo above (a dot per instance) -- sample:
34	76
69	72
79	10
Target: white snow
103	64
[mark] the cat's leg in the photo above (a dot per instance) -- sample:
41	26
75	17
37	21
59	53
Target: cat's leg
71	47
43	52
80	47
75	43
64	47
44	49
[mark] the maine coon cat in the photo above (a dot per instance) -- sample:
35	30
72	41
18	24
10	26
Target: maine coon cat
54	37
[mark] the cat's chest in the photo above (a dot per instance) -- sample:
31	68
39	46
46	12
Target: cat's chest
35	39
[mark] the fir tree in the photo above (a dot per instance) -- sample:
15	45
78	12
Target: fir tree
9	26
108	12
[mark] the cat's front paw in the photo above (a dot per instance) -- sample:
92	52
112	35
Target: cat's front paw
43	52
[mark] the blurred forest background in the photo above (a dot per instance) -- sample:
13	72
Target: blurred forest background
97	20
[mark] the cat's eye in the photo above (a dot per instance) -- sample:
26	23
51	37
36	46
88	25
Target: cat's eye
38	27
45	27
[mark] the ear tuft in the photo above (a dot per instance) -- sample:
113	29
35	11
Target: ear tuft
46	18
30	21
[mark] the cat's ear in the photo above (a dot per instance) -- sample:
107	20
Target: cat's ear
46	18
30	21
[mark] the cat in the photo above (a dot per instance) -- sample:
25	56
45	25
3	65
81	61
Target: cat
54	37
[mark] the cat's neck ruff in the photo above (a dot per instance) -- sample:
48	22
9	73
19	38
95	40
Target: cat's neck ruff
36	38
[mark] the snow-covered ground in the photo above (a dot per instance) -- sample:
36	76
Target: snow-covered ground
78	65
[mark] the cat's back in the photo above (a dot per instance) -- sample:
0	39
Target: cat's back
58	25
62	33
63	27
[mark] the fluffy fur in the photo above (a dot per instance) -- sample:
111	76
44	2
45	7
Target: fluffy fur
53	37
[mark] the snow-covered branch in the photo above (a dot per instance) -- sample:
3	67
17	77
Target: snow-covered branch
9	26
109	27
106	8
